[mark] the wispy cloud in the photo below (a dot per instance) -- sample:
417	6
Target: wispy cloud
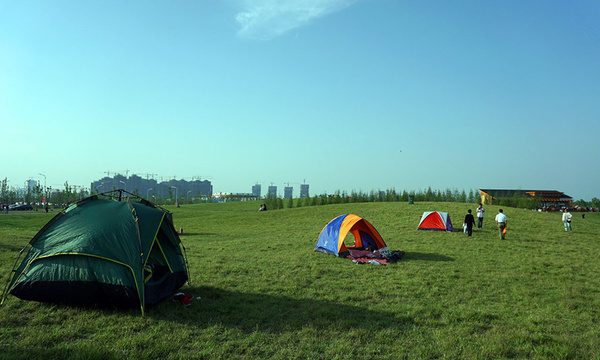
266	19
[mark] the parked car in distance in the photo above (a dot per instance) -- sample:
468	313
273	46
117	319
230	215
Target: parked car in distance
20	207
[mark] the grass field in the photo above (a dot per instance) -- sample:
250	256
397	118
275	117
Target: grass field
266	294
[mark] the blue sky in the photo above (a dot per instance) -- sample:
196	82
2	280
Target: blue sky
343	94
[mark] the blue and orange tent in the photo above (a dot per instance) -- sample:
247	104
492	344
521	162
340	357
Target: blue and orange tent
331	239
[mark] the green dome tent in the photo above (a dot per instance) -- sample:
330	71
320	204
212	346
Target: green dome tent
107	250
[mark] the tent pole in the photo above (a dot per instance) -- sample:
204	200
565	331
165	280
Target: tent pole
13	273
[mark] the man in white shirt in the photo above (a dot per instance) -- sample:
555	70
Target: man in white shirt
566	218
501	223
480	211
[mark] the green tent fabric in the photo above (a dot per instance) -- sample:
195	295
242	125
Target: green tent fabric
103	252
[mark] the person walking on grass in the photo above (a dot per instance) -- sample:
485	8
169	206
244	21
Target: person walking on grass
566	218
480	211
501	220
469	222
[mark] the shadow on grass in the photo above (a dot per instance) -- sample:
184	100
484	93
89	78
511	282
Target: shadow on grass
11	247
426	257
250	312
196	234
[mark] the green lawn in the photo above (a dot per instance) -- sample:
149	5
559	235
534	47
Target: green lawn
266	294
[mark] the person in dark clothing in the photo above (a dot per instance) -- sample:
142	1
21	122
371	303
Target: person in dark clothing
469	221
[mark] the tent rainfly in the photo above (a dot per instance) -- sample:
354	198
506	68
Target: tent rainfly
435	220
331	239
105	250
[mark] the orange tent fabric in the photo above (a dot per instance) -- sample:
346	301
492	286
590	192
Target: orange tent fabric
331	239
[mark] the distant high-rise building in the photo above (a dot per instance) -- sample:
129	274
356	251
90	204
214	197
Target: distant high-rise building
304	191
31	184
288	192
152	189
272	191
256	190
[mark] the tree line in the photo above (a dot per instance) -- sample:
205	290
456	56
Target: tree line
390	195
36	194
473	196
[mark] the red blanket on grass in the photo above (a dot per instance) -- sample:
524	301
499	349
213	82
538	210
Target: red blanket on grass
364	256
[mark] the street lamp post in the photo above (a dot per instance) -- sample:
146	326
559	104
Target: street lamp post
27	190
45	188
175	187
148	194
124	183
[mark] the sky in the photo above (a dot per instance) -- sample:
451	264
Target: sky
339	94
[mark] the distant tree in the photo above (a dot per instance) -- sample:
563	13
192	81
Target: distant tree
448	195
38	192
418	195
372	196
347	198
462	198
429	195
290	203
82	194
455	195
271	202
404	196
324	199
4	191
306	201
28	196
364	196
63	196
582	202
12	195
337	198
171	195
437	195
390	195
472	199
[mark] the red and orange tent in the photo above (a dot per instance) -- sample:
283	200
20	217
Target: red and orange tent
435	220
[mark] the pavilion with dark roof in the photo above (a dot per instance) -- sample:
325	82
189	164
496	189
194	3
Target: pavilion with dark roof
549	198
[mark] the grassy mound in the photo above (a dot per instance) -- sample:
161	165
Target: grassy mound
266	294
